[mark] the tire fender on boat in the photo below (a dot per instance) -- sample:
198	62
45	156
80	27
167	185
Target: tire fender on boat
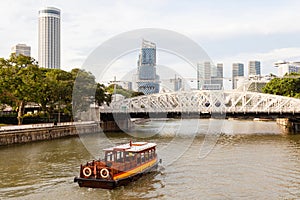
87	171
104	173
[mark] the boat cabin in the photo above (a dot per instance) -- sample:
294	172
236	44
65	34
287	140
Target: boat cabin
127	156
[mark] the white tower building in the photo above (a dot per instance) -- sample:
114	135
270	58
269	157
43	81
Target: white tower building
49	38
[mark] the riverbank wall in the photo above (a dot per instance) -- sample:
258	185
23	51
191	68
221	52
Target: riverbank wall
17	136
39	132
289	126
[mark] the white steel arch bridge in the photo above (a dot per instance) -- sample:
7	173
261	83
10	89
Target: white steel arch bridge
207	101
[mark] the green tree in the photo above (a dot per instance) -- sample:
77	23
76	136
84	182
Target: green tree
289	86
135	94
101	96
111	89
83	90
20	82
56	91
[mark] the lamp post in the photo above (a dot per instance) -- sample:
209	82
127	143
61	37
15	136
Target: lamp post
59	109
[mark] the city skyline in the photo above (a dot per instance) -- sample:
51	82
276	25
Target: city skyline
225	38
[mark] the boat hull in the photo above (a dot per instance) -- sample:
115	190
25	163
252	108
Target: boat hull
111	184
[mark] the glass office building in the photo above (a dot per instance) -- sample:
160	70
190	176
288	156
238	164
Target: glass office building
237	72
147	79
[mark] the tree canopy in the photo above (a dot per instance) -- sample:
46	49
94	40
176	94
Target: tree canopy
289	86
22	81
111	89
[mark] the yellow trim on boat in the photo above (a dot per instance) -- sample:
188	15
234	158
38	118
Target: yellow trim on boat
136	170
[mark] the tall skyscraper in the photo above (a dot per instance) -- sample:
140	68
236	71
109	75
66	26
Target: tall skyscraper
177	81
254	68
237	71
21	49
204	71
49	38
200	76
147	79
209	77
218	78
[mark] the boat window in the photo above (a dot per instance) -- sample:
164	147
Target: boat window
143	157
129	156
126	156
151	153
109	157
120	156
138	158
146	155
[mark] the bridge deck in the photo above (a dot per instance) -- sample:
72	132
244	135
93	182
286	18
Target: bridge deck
196	115
205	103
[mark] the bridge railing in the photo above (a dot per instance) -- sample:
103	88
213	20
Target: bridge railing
207	101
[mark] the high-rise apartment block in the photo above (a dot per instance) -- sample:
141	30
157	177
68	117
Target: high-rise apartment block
209	77
49	38
285	67
254	68
177	81
147	79
237	71
200	76
21	49
217	79
204	71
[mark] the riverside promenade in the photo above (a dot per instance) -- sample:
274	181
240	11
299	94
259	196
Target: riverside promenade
38	132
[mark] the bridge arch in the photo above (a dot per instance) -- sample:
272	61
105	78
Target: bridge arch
207	101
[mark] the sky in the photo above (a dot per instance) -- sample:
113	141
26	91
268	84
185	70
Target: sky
229	31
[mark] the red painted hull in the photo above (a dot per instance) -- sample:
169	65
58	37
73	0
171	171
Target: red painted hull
110	184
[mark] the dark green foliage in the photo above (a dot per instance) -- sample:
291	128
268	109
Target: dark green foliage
55	90
101	95
83	90
286	86
111	89
22	81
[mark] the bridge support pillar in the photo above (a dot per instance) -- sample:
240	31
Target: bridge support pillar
115	123
289	126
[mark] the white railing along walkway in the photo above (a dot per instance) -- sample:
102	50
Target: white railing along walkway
43	125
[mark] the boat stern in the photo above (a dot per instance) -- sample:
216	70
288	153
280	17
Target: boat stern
95	183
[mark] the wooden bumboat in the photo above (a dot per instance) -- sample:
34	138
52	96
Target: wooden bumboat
121	165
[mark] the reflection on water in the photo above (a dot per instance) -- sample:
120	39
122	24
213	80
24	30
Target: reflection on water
251	160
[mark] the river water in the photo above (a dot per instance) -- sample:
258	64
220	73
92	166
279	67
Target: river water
222	159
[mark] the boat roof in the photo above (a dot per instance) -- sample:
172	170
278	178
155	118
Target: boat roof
134	147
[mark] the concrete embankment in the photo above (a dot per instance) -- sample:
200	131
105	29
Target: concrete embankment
289	126
17	136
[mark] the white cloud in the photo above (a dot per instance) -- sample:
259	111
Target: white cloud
86	24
